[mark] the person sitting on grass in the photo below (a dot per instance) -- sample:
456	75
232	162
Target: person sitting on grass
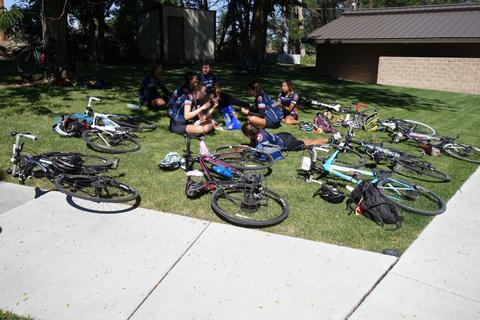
225	100
148	93
265	113
207	77
287	100
190	80
286	141
193	106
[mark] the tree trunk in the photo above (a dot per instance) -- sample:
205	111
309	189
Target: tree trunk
299	46
258	33
2	35
100	17
54	31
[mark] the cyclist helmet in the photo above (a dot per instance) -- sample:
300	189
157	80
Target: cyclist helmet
171	161
68	163
330	194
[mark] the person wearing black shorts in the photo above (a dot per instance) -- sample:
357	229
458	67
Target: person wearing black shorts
148	93
285	140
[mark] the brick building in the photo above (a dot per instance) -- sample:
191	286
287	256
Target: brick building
436	47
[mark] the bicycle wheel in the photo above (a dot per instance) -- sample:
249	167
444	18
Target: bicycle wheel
88	161
348	157
411	197
27	66
244	158
462	151
110	142
419	167
134	122
416	126
249	209
86	65
95	188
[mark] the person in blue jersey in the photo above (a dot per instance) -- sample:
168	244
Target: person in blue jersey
190	80
190	107
286	141
265	114
287	101
149	89
207	77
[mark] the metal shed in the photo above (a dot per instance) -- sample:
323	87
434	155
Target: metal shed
176	35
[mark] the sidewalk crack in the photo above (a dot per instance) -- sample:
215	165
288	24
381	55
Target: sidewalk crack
168	271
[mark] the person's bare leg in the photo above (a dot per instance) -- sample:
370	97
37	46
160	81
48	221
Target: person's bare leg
316	141
158	103
257	121
200	129
290	120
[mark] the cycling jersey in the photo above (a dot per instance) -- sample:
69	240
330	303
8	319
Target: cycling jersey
286	101
267	109
266	137
176	111
208	80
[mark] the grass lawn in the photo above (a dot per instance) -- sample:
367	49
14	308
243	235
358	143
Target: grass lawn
34	108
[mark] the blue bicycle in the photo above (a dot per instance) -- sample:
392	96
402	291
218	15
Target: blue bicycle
403	194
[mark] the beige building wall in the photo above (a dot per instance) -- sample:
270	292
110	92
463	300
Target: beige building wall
447	74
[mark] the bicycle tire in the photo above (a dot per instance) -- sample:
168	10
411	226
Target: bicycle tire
244	158
86	66
134	122
420	167
27	65
89	161
91	187
403	195
462	152
416	126
240	215
348	157
110	143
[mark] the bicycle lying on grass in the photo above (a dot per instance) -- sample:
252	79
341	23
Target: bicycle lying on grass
111	133
400	161
402	194
446	145
74	174
239	191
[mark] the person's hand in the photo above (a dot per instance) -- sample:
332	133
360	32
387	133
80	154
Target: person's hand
245	110
215	103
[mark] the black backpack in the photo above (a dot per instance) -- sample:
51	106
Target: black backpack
369	201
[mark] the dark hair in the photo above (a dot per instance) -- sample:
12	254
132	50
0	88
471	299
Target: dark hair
255	86
289	84
205	63
154	65
250	131
198	87
188	76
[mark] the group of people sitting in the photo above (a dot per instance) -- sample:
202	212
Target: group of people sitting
191	106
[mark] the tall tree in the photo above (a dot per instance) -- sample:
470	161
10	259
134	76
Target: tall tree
54	29
2	7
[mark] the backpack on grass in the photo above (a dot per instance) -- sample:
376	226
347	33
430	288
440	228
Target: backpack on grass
370	203
322	122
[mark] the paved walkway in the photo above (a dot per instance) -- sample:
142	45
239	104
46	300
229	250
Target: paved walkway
65	260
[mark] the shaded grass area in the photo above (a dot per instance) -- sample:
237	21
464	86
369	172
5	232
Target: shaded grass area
34	108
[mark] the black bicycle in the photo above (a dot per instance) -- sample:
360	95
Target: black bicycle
239	189
75	174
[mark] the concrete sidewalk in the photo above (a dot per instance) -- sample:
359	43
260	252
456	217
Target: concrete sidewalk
65	260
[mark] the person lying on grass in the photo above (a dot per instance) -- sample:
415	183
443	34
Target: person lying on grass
265	114
190	107
148	92
286	141
287	101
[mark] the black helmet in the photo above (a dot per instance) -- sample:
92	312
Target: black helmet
330	194
68	163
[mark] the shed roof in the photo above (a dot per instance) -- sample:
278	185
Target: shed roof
421	24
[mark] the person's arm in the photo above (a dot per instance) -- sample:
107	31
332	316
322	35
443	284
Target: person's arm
164	89
187	109
292	105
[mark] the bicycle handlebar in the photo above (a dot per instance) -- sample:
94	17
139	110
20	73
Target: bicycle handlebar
23	134
90	99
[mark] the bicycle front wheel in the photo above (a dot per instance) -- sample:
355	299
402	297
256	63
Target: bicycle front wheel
419	167
244	158
27	66
411	197
416	126
110	142
462	151
134	122
348	157
249	209
95	188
